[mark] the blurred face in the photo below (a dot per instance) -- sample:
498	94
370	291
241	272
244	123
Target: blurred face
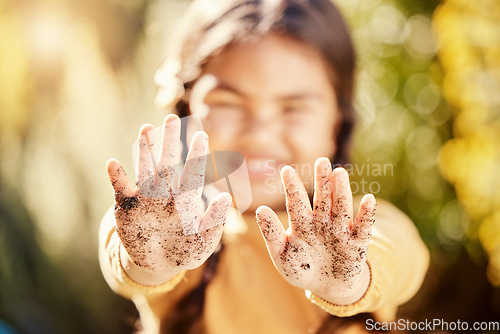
274	103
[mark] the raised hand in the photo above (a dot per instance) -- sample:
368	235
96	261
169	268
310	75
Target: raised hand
162	222
323	250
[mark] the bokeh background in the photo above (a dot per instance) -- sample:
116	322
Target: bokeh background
76	83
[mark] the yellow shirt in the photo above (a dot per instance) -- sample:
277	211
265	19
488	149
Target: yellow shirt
247	294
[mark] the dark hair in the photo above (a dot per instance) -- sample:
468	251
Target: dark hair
211	25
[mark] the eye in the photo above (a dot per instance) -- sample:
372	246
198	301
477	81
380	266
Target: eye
226	110
296	109
221	112
224	106
221	101
291	110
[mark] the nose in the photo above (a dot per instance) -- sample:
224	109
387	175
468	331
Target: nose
264	127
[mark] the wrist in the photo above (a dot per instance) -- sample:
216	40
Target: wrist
140	275
357	292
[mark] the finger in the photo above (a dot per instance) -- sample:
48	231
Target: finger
322	202
272	230
297	201
362	227
119	180
170	150
217	212
193	175
341	197
146	165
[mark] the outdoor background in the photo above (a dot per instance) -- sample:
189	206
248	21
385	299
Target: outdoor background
76	82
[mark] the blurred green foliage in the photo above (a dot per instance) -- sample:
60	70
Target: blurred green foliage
76	82
469	33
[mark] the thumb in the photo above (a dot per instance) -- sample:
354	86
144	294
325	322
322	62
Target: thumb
217	212
272	230
119	181
362	228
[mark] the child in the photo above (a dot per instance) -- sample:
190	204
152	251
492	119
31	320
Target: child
275	79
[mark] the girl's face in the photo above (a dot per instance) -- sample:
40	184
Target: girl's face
275	104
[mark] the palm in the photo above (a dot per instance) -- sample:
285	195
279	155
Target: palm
162	223
324	250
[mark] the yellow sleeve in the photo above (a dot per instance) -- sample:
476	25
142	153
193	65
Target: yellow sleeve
398	261
152	302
